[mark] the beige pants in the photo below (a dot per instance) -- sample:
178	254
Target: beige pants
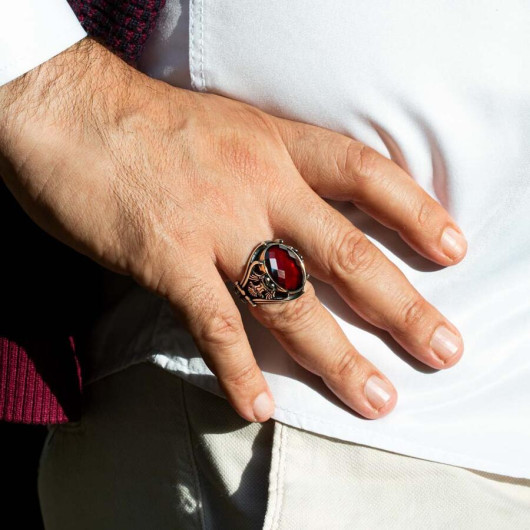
154	452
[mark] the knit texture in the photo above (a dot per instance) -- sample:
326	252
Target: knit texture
50	298
31	390
122	26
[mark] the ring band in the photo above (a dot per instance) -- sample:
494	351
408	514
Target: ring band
275	272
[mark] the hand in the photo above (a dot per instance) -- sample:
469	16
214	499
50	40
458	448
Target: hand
175	188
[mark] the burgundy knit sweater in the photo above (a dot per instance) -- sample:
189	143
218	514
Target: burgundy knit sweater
50	294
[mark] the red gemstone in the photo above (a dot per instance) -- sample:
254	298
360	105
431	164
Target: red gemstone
284	267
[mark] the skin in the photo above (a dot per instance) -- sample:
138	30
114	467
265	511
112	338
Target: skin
175	188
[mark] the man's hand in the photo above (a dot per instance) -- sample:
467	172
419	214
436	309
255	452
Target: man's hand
175	188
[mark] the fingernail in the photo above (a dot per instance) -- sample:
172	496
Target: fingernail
445	343
263	407
453	243
377	391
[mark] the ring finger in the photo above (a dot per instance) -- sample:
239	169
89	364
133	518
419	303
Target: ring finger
338	253
310	334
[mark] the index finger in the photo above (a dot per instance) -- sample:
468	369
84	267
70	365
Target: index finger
337	167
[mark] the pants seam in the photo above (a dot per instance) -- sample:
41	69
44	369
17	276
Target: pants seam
277	482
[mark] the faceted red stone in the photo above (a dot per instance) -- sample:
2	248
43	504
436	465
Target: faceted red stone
284	267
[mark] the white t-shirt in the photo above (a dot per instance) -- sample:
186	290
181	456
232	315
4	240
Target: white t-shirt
441	87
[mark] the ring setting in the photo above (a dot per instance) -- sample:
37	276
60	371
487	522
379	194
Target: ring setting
275	273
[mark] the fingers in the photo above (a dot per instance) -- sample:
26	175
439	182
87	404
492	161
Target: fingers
338	253
203	301
339	168
311	335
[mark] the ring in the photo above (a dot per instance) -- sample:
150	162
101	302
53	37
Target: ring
275	273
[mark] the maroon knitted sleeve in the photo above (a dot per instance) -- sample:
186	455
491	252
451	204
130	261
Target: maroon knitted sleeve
121	25
50	296
40	381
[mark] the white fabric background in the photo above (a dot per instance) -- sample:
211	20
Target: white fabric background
33	31
444	90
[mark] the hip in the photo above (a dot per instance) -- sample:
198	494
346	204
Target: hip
153	451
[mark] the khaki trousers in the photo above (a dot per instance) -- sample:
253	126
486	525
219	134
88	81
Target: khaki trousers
152	451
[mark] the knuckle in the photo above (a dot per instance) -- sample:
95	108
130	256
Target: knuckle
425	214
222	329
359	161
294	316
345	158
346	365
243	377
412	314
353	255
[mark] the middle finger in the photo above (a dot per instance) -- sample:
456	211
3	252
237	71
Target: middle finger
338	253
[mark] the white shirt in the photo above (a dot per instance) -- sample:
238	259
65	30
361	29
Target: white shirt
33	31
445	86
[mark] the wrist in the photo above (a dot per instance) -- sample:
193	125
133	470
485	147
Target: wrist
38	110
